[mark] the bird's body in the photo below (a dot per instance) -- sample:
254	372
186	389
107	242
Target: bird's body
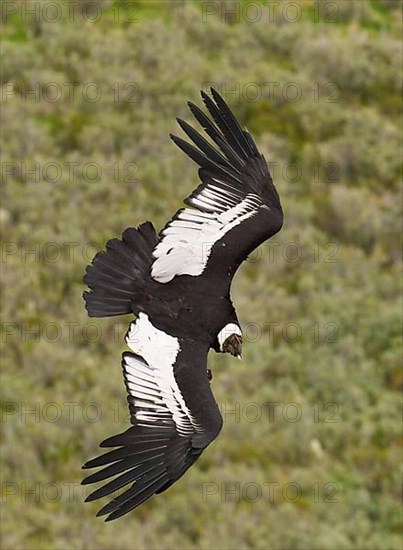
177	284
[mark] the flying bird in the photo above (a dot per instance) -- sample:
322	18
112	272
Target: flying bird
177	285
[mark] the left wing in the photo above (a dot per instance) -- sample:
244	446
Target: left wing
172	423
233	211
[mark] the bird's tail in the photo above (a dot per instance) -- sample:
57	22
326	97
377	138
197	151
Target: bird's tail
118	276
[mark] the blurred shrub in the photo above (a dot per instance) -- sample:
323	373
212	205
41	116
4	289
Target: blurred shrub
342	217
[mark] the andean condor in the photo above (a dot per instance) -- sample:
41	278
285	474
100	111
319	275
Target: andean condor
177	284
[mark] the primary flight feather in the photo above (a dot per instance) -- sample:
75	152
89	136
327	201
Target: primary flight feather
177	284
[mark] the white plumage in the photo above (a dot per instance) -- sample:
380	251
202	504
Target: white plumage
155	378
173	412
188	239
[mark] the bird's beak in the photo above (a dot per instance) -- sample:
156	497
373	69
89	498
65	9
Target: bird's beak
239	356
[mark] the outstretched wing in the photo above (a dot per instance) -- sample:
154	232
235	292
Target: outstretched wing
233	211
171	424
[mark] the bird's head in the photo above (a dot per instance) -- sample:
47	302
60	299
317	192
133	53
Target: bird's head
230	340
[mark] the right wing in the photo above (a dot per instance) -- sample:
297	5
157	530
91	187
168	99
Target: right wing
174	417
234	209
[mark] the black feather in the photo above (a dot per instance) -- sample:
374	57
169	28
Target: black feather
203	144
222	123
121	273
202	160
233	124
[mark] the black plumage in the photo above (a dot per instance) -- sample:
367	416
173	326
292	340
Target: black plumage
177	283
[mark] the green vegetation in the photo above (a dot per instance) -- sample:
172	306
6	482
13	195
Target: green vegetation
320	306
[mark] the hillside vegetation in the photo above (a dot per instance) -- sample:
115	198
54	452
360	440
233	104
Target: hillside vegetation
308	457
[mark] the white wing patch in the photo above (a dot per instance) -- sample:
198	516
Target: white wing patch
188	239
153	383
